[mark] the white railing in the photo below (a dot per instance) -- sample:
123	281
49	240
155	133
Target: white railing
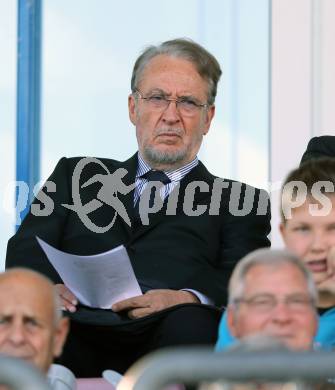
195	365
19	375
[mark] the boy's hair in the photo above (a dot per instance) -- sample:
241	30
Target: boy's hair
308	174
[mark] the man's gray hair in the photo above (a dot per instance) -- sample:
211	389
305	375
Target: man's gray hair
205	63
267	257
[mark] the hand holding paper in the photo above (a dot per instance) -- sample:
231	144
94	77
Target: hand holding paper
68	300
99	280
153	301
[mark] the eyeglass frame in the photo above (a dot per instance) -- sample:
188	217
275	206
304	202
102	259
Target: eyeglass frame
169	100
287	300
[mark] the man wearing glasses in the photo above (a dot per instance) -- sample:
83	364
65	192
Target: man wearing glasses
272	293
183	252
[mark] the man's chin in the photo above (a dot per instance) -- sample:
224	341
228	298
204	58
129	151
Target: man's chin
25	357
164	155
290	342
285	339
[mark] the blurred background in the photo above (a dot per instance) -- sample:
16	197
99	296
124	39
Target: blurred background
277	89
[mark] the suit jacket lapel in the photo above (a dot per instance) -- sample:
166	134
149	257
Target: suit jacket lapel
199	173
128	199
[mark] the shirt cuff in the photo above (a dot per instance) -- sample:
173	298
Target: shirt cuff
202	297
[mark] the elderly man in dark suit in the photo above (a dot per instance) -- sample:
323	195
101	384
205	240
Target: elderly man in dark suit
183	240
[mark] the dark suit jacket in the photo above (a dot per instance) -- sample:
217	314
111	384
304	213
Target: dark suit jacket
173	251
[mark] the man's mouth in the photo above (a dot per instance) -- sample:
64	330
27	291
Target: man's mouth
168	135
168	138
282	336
169	132
21	356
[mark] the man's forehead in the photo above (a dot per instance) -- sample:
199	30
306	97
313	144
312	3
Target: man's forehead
163	63
22	286
275	278
169	69
23	278
28	299
23	311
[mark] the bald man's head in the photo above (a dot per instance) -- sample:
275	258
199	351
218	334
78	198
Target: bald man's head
31	326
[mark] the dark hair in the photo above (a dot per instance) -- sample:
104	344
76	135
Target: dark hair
205	63
312	171
318	147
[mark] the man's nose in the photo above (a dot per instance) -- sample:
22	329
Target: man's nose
16	333
281	313
171	113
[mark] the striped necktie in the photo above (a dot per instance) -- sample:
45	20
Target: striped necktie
152	175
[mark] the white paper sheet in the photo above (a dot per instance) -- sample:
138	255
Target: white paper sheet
98	280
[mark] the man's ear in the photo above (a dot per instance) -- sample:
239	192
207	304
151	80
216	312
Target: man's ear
209	115
132	109
282	230
61	332
231	320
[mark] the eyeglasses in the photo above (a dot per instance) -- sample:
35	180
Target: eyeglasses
266	302
186	106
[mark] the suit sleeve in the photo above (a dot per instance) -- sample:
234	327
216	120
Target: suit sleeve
23	249
241	232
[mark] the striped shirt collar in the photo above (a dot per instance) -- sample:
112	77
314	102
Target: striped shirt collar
175	175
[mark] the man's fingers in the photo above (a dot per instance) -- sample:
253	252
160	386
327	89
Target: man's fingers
68	307
66	294
153	301
68	300
139	313
131	303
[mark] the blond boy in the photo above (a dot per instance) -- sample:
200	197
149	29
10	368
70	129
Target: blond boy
308	230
